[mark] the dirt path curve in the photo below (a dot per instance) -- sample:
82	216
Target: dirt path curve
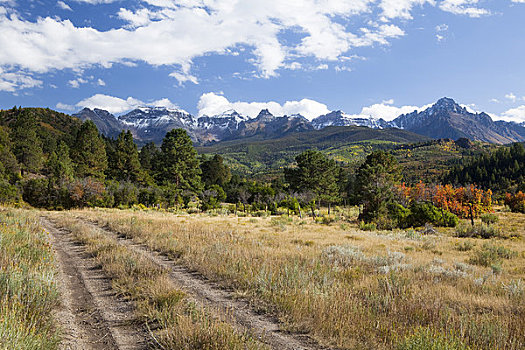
212	296
92	317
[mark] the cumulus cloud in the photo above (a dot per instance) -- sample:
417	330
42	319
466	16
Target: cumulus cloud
387	110
175	32
213	104
114	104
101	82
514	115
464	7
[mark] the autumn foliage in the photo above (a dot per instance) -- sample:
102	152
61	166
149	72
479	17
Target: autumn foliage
462	201
516	202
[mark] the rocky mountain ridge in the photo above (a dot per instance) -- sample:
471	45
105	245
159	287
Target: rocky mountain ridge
445	119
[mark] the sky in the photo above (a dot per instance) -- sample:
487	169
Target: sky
377	58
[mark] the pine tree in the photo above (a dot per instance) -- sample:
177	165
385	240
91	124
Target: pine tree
124	161
178	161
147	156
89	152
215	172
27	145
59	164
315	173
376	180
9	167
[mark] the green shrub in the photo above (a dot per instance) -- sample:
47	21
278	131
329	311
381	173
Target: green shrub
367	226
490	255
422	213
478	231
464	246
489	218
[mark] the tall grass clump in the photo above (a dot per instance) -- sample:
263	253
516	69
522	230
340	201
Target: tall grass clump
28	291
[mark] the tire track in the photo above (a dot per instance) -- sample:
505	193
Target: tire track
266	328
92	317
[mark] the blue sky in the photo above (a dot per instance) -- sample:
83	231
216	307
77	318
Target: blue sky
365	57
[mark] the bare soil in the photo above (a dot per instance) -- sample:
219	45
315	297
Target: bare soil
239	312
92	316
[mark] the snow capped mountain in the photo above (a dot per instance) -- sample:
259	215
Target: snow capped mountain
339	118
157	117
445	119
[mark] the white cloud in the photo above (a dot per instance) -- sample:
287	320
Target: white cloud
75	83
101	82
176	32
213	104
387	110
114	104
401	8
12	81
63	6
183	77
464	7
511	96
442	28
515	115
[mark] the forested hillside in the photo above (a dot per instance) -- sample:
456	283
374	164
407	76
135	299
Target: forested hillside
502	170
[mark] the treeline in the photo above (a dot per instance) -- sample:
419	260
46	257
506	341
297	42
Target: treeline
51	161
502	170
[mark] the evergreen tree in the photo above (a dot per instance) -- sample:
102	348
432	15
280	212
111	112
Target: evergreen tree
59	164
124	162
89	152
9	167
178	161
375	185
27	145
147	156
215	172
315	173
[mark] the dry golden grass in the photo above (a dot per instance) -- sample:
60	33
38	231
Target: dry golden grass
28	290
349	288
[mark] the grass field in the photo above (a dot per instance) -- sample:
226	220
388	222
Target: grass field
349	288
28	290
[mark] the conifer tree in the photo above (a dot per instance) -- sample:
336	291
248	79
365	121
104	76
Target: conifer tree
375	184
27	145
315	173
215	172
9	167
124	162
147	156
59	164
178	161
89	152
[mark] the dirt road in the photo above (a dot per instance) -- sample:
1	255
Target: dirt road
92	317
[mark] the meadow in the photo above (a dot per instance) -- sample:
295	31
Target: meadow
346	288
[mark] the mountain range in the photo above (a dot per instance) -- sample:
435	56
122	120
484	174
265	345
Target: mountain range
444	119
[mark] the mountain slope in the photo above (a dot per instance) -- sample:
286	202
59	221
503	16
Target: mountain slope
255	154
447	119
106	122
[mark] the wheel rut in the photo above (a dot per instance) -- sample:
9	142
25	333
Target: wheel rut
91	316
211	295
